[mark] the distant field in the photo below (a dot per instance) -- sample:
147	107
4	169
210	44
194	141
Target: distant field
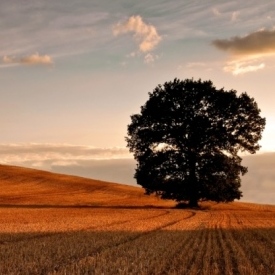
57	224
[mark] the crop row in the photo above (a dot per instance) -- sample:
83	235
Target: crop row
145	241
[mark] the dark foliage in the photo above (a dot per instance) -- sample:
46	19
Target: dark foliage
187	138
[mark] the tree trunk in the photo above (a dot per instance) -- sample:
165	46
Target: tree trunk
193	202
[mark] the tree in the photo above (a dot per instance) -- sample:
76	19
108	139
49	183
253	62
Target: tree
187	138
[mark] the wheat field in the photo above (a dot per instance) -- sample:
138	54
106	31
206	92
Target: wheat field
58	224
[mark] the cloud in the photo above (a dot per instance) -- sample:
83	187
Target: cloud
216	12
238	67
132	54
194	65
34	59
259	42
247	52
150	58
53	27
33	153
146	35
234	16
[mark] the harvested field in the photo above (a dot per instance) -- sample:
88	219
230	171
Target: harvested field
56	224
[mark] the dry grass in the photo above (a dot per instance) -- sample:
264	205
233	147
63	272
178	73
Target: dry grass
56	224
22	186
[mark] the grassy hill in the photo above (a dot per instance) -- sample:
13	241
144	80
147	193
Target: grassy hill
58	224
25	186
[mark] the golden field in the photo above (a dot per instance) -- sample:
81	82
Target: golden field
58	224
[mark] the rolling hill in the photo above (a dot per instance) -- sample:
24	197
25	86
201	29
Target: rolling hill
24	186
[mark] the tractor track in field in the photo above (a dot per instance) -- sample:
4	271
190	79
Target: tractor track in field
128	240
96	227
137	235
164	213
53	234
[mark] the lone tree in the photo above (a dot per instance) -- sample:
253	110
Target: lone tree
187	138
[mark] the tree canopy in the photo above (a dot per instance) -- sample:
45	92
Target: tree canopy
187	138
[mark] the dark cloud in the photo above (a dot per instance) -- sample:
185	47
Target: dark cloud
259	42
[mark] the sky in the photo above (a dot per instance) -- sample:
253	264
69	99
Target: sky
72	72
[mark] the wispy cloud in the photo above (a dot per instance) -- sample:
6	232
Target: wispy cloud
150	58
232	16
146	35
194	65
247	52
216	12
237	67
52	27
16	153
34	59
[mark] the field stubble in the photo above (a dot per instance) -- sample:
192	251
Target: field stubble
236	238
